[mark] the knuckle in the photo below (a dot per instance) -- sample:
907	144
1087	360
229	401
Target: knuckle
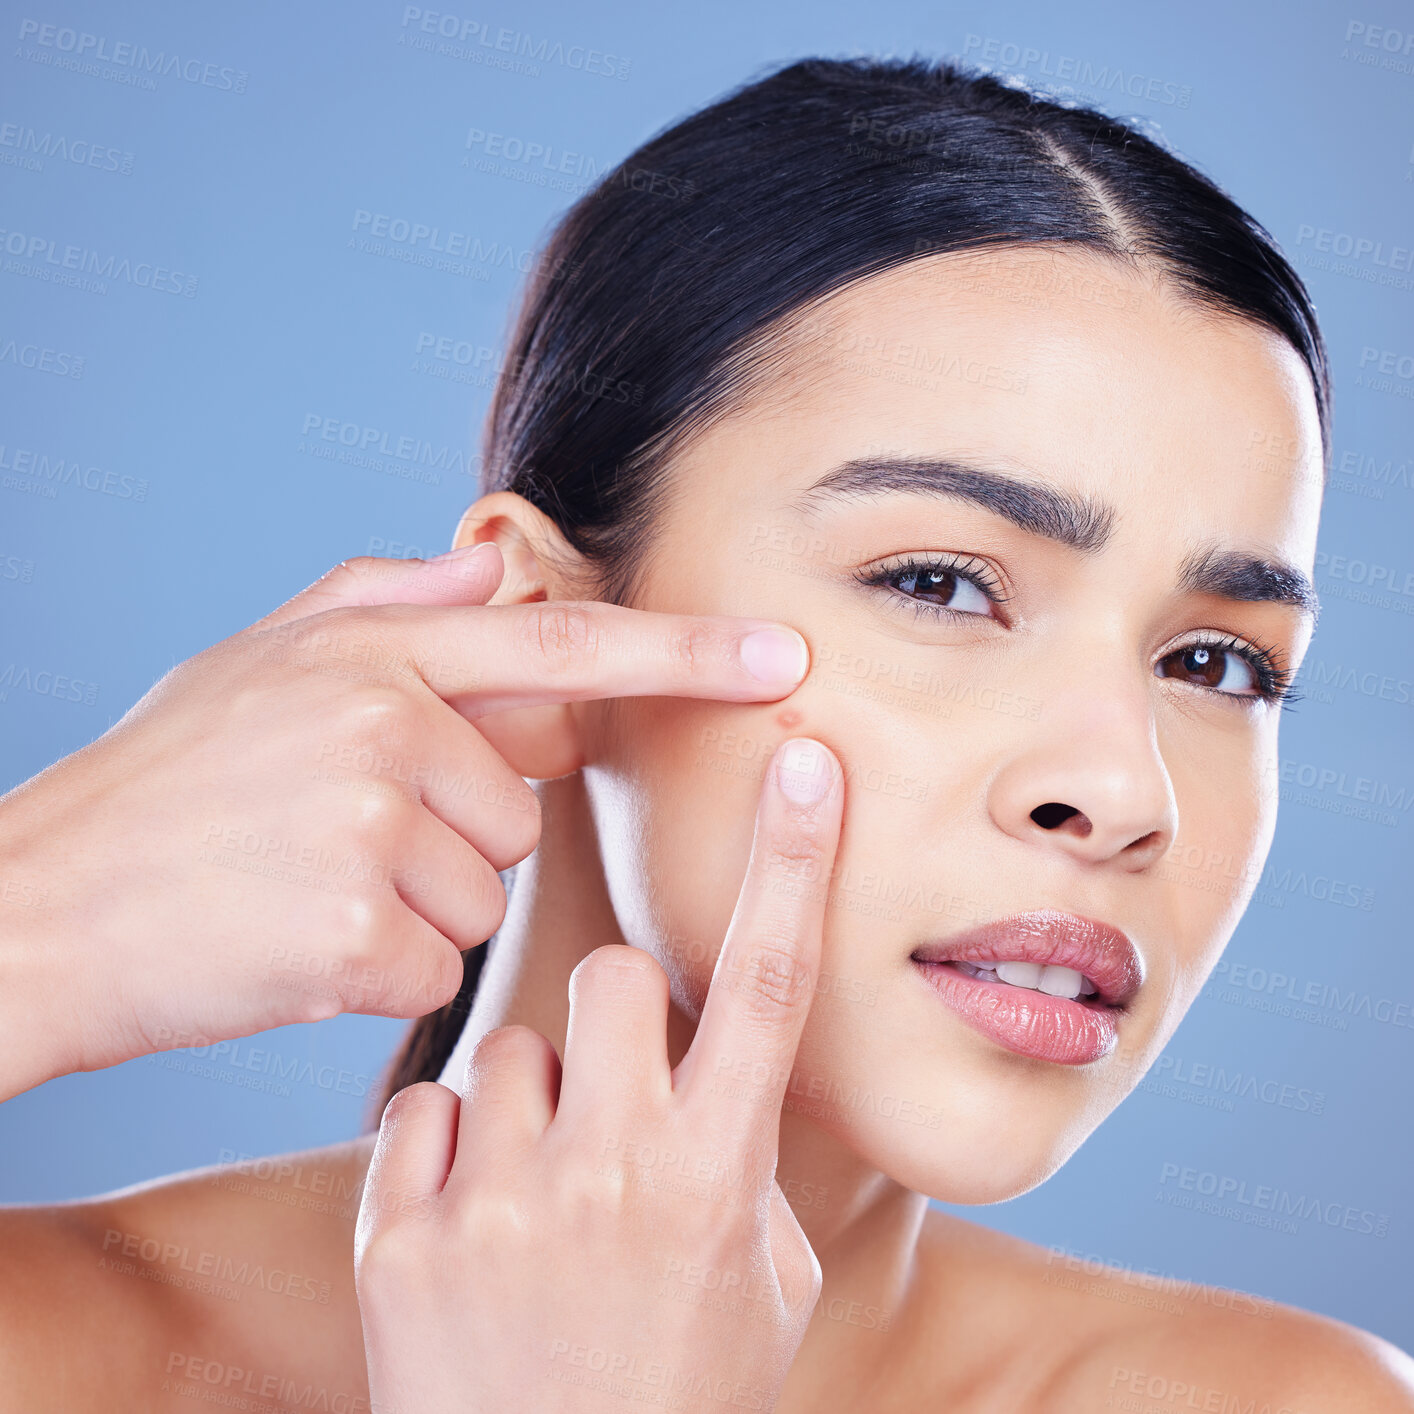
360	642
563	633
438	979
354	570
338	622
391	1251
694	647
618	966
523	821
794	855
486	903
360	924
375	716
588	1192
773	978
517	823
362	971
793	848
504	1045
492	1218
255	680
380	820
320	1002
341	585
410	1103
364	924
503	1050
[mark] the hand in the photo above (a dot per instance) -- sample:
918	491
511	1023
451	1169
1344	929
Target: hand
612	1233
303	819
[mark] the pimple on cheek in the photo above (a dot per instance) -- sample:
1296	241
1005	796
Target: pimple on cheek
788	719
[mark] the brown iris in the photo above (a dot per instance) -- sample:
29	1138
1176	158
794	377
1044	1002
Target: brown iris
1200	665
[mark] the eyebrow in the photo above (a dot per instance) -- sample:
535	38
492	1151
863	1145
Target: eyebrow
1079	522
1250	579
1076	521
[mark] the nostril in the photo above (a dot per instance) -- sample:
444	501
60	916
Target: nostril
1053	814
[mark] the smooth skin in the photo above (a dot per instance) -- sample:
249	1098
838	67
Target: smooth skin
1195	430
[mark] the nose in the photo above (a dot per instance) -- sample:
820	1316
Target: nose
1093	785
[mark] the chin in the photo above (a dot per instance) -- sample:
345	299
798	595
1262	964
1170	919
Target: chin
985	1126
969	1164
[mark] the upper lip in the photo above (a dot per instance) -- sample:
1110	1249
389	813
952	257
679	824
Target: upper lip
1101	953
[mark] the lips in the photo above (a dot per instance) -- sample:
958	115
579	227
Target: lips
1068	1031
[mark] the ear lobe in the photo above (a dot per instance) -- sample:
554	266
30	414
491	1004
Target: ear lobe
539	743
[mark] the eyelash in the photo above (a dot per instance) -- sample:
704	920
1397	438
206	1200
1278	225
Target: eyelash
969	567
1273	679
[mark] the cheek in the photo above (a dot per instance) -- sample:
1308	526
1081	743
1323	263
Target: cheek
1227	816
676	786
688	780
1227	809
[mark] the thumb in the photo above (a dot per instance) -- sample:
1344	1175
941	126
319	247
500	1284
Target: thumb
469	575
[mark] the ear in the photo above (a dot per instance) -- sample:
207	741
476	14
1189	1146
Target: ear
538	743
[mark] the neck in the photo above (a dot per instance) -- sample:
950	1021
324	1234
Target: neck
862	1224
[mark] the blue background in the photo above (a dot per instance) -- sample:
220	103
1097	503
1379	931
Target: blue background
210	503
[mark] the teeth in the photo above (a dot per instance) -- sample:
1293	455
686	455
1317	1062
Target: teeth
1021	974
1054	981
1061	982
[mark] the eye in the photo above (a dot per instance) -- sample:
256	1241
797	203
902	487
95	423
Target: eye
1228	666
941	585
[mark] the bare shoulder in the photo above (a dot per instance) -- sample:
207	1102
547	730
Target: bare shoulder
1094	1336
128	1299
1287	1361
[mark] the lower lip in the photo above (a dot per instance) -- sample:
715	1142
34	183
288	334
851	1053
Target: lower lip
1029	1023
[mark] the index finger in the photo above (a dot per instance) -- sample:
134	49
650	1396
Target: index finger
490	658
740	1060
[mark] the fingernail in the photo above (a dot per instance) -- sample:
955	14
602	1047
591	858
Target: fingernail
775	655
466	554
803	771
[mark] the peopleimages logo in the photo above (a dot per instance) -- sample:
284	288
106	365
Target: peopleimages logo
1304	999
1356	247
461	38
32	146
1397	578
421	243
80	48
44	253
59	362
1207	1076
352	440
1268	1198
1371	473
1066	69
69	471
559	161
1323	680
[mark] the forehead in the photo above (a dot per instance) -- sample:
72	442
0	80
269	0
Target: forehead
1057	365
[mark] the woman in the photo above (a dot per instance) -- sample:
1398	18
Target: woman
1022	425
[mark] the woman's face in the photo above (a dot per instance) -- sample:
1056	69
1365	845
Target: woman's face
1043	651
